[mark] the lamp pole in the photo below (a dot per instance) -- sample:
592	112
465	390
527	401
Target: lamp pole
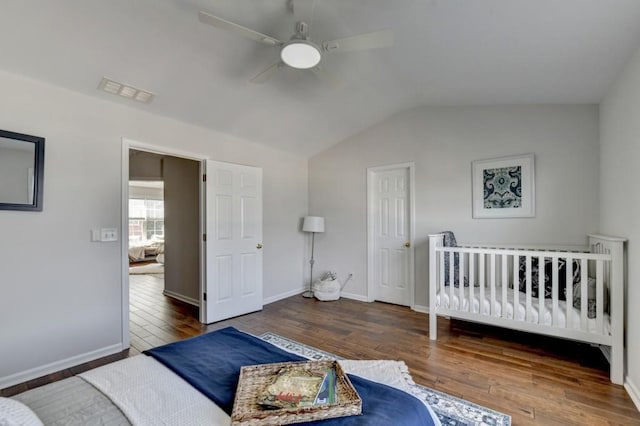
309	293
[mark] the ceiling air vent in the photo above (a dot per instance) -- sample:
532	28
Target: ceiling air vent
125	91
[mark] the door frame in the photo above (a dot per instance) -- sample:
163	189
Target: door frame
371	171
128	144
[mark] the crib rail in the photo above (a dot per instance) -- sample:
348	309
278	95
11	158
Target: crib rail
532	289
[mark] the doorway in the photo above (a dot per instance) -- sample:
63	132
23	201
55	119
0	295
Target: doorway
162	215
390	228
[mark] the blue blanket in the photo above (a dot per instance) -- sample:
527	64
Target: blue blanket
211	363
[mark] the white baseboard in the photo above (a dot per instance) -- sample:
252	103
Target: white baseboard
34	373
354	296
281	296
181	298
345	295
633	392
295	292
421	308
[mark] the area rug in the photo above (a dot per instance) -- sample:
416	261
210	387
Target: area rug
451	411
149	268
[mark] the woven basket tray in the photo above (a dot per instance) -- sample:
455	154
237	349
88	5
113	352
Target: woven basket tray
254	378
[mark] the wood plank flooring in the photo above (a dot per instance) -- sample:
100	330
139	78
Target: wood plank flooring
537	380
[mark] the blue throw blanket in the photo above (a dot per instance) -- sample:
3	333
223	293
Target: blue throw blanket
211	363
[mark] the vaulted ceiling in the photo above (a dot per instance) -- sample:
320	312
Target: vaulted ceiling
446	52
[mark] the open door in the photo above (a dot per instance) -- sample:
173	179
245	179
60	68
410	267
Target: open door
233	243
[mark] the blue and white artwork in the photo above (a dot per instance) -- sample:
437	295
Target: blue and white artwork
502	188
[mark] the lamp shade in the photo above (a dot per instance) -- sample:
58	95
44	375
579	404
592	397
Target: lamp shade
313	224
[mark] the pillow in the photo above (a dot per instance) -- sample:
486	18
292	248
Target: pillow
15	413
591	297
548	272
450	241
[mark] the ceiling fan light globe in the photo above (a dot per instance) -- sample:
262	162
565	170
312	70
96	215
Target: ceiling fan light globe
300	54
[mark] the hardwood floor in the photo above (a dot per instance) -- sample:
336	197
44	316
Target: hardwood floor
536	380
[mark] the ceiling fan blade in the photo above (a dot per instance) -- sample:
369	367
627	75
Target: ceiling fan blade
214	21
372	40
267	74
327	76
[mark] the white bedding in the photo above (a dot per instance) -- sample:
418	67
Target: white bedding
136	252
15	413
141	249
547	315
148	393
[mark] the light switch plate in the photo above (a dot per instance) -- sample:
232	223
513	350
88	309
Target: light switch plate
108	234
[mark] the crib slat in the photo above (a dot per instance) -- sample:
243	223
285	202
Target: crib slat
528	289
541	286
441	277
461	275
516	287
584	284
472	279
481	272
492	283
555	289
505	277
569	294
451	279
600	297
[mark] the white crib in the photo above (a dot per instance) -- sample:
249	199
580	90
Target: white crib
486	290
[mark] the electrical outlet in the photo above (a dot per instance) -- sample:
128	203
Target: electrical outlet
109	234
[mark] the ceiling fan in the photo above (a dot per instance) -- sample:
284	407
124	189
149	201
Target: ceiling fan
300	52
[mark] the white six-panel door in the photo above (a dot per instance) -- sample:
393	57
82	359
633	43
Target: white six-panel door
233	226
390	219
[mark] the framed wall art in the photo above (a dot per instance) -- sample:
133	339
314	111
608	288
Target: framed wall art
503	187
21	171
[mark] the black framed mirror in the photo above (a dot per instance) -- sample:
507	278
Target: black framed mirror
21	171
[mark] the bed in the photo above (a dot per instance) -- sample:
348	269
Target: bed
146	250
191	382
577	295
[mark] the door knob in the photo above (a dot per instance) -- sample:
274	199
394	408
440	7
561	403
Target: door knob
407	244
258	246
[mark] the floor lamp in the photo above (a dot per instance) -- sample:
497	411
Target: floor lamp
312	224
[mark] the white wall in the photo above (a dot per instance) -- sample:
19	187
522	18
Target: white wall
442	141
60	295
620	206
